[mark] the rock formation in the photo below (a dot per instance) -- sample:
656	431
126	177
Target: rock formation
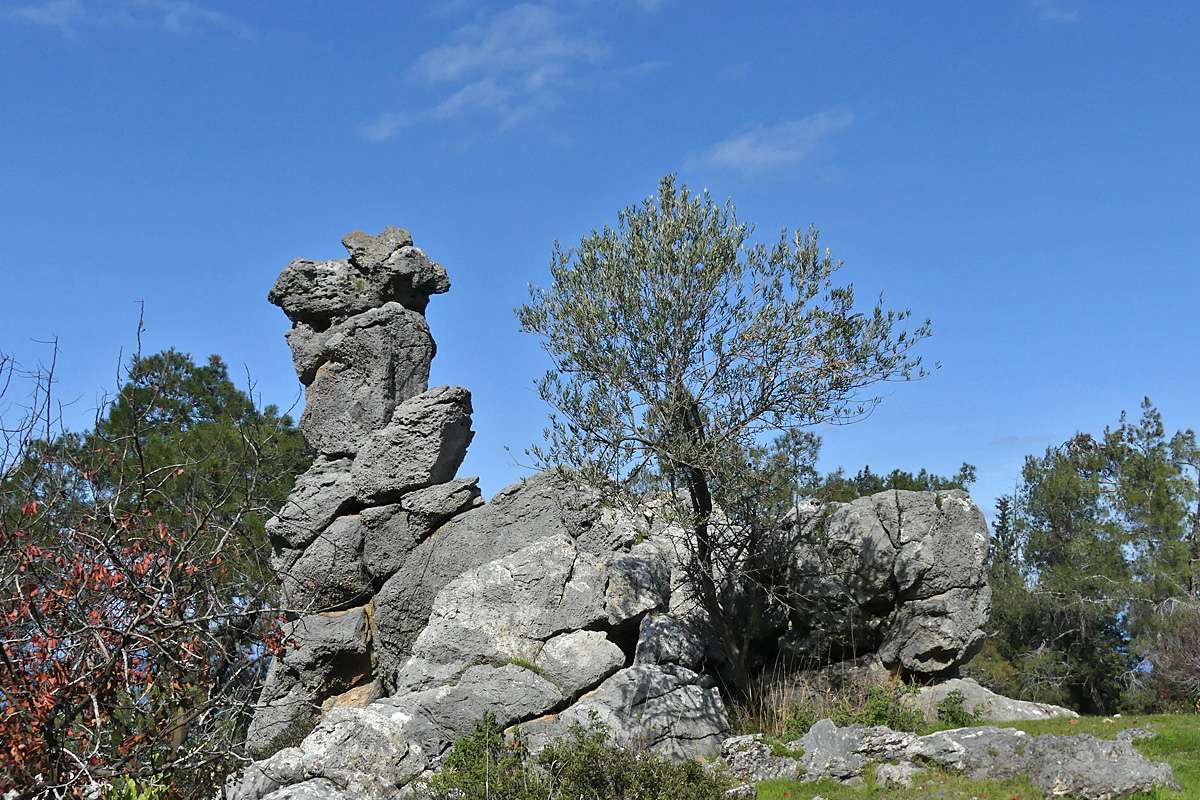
1081	766
901	574
418	608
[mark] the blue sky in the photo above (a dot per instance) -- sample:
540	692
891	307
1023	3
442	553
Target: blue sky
1024	173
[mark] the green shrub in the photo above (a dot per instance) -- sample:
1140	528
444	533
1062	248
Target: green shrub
583	765
132	789
483	765
953	711
883	706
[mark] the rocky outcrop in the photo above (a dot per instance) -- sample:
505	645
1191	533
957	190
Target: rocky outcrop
417	608
900	574
981	703
362	350
1080	766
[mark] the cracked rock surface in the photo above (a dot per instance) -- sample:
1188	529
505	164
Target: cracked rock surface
899	573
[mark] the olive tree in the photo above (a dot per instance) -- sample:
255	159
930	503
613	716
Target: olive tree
679	347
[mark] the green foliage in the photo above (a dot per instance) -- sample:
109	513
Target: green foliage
484	765
167	497
131	789
952	711
1091	560
525	663
883	706
836	487
679	345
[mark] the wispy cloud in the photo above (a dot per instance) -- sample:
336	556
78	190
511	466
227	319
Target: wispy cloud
71	17
509	65
783	144
1054	12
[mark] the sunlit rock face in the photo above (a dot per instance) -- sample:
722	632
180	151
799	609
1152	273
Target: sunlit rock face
416	608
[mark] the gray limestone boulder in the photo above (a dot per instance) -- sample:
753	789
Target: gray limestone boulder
750	758
393	531
899	573
364	368
896	776
933	635
372	753
831	752
329	574
1088	768
980	752
380	269
637	582
535	509
423	444
667	639
326	655
669	710
319	495
503	611
981	702
1079	766
578	660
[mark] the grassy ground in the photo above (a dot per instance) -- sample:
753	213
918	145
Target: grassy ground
1177	743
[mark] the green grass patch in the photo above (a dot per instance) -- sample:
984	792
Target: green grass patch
930	784
526	664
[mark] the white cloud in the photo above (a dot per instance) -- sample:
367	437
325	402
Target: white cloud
509	65
61	14
1053	12
69	17
783	144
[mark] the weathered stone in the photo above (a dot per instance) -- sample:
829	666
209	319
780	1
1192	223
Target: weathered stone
750	758
285	714
317	497
326	655
891	776
423	444
638	581
369	253
1088	768
393	531
578	660
831	752
666	639
935	634
368	753
329	574
430	507
380	269
505	609
983	703
671	711
980	752
519	515
315	789
901	573
368	365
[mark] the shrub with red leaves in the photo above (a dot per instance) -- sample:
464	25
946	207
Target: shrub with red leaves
135	605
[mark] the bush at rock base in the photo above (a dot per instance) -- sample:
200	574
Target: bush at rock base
487	765
784	707
953	711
